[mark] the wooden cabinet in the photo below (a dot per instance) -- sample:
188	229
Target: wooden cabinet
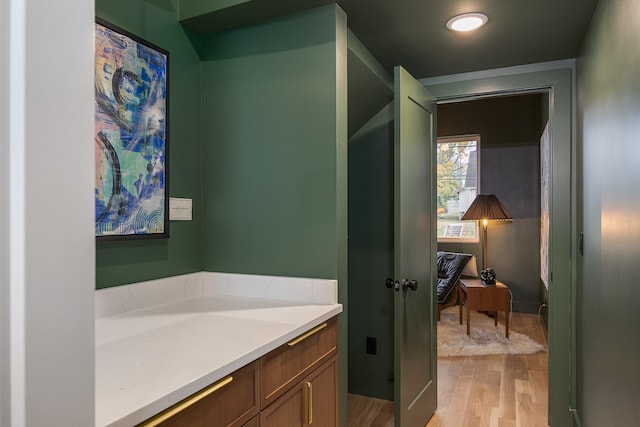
294	385
312	401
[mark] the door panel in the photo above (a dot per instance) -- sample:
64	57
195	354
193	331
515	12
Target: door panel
415	390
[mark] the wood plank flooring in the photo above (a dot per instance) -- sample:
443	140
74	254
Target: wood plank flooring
370	412
477	391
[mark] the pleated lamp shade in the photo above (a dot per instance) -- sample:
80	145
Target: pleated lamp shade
486	206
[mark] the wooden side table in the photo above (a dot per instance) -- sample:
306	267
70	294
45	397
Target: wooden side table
476	296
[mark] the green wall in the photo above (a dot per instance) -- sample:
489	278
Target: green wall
608	292
370	222
125	262
270	175
371	256
510	128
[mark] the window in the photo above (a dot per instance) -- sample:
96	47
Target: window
458	174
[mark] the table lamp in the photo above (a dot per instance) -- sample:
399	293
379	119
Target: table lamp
485	208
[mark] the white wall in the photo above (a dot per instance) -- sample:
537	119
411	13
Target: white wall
46	232
4	213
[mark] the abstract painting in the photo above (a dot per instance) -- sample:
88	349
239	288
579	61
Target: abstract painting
545	168
131	135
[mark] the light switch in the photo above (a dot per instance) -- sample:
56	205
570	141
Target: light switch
180	209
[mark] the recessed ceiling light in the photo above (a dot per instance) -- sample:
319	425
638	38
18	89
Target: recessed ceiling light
467	22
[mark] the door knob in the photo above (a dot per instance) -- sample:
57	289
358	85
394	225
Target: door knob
390	283
409	284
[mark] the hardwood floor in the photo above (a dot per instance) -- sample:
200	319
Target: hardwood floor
370	412
477	391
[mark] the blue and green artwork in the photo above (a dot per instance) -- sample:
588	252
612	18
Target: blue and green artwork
130	135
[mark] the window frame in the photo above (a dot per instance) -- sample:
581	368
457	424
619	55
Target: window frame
460	138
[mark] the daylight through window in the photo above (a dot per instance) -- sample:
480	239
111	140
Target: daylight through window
458	172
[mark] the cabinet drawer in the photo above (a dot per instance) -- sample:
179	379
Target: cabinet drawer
287	364
225	403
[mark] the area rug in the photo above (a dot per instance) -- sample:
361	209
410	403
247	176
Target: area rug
485	338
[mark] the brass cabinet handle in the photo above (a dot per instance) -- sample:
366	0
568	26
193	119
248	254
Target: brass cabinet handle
308	409
306	335
181	406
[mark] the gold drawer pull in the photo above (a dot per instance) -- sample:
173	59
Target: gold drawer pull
309	402
181	406
306	335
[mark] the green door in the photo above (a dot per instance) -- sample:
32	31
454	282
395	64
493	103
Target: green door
415	355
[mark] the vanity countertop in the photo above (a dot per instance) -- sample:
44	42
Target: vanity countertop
150	358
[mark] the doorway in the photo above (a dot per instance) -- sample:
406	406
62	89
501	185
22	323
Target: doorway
509	128
370	372
557	80
512	128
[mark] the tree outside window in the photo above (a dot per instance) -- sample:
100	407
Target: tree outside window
458	171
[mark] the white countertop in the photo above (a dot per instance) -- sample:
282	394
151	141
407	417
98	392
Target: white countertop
150	358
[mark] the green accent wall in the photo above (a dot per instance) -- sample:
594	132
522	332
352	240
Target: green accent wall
124	262
269	155
608	295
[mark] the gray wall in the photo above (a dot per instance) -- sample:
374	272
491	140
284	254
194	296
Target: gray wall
608	291
510	129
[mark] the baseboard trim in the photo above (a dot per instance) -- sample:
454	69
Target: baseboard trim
525	307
